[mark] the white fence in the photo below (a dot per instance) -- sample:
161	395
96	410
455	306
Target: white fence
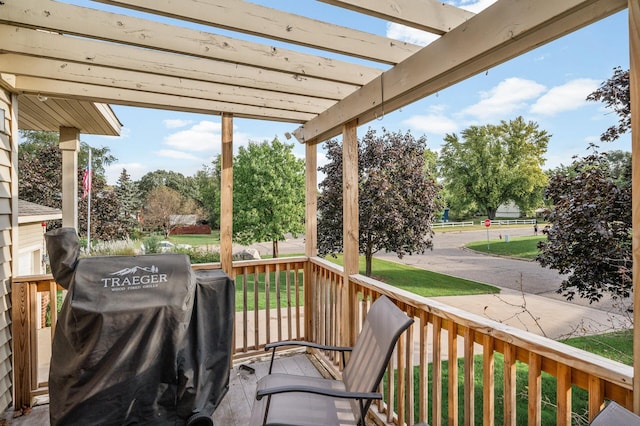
451	224
493	222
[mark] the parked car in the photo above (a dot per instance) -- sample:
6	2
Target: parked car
167	246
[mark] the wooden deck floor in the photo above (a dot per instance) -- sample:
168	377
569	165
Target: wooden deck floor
235	408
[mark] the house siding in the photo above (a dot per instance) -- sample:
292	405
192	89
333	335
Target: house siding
7	220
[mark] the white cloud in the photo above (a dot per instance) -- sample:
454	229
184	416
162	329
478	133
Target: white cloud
176	123
476	6
504	99
569	96
204	136
409	35
178	155
435	123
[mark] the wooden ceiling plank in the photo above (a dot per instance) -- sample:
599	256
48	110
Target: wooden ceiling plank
92	52
261	21
92	23
71	90
426	15
116	78
465	51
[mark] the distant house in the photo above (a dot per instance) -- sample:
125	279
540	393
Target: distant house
32	224
32	219
183	219
510	210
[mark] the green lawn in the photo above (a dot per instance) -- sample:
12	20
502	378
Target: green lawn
419	281
197	240
617	346
521	247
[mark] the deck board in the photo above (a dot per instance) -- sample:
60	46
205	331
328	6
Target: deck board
235	407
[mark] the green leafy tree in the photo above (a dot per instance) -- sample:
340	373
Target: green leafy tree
129	197
268	193
208	183
397	197
185	185
495	164
590	236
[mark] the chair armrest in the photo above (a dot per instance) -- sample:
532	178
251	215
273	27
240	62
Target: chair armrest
336	393
274	345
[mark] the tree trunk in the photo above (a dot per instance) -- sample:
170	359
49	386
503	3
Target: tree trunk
275	248
368	256
491	212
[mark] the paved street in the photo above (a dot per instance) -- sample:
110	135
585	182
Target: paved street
528	297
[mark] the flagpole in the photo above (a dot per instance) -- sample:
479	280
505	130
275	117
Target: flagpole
89	205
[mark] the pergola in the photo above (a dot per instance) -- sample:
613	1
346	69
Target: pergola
80	56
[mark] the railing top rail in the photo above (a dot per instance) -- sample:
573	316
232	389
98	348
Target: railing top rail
612	371
327	265
270	261
31	278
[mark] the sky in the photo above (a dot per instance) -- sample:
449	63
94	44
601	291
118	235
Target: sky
547	85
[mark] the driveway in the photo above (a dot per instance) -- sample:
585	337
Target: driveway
528	298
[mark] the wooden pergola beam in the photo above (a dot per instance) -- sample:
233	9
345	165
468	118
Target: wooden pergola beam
25	41
164	85
427	15
130	97
69	19
461	53
249	18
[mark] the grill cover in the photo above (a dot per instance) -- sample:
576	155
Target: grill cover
139	339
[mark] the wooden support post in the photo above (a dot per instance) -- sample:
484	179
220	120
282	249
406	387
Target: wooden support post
350	229
311	233
226	196
70	145
634	82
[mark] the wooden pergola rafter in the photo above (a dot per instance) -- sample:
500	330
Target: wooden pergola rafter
60	50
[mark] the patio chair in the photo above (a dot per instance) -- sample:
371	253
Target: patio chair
615	415
286	399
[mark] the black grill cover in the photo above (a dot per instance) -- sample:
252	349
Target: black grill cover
139	339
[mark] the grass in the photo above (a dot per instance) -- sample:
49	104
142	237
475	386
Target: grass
616	346
197	239
420	281
520	247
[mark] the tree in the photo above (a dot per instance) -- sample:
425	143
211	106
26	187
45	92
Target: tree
129	197
397	197
616	95
590	236
162	203
208	183
185	185
494	164
40	181
268	193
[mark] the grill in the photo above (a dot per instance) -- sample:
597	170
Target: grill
139	339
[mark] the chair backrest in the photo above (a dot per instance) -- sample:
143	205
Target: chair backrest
383	325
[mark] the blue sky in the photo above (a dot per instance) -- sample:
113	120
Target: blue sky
547	85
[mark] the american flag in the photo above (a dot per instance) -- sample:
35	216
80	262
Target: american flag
86	182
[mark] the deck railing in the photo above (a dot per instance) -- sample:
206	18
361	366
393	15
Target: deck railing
441	333
300	298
